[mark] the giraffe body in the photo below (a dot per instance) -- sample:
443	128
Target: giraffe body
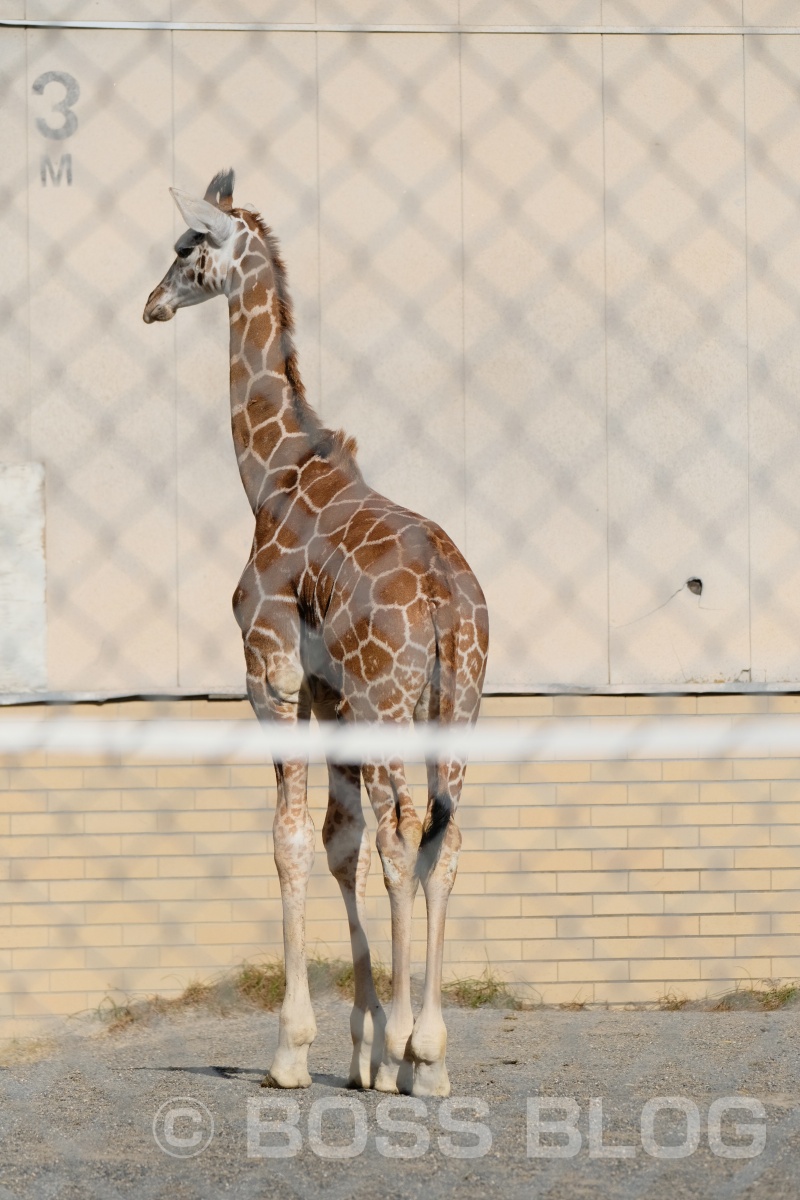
352	608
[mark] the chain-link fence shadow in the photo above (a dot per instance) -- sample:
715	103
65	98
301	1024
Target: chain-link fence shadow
547	281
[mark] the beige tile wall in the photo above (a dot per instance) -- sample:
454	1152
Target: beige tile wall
603	881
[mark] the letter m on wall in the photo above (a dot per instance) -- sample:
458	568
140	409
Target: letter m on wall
64	170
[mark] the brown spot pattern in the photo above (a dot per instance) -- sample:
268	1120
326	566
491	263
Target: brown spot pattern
349	604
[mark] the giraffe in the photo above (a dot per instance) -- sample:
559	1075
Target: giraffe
355	609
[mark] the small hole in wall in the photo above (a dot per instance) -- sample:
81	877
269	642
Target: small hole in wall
695	585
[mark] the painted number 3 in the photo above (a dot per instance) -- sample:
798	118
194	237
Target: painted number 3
71	96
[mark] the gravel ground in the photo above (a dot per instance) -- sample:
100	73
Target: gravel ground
79	1121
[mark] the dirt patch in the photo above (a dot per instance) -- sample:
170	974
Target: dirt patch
83	1119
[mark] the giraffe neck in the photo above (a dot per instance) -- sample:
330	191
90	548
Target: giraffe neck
268	408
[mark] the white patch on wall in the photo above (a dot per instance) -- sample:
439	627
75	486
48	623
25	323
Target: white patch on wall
23	617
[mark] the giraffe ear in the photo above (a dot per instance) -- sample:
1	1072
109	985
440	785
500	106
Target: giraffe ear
204	217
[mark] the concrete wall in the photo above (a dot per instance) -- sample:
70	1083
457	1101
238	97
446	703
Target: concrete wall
599	881
550	281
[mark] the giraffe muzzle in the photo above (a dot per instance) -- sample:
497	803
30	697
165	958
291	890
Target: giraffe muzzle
156	309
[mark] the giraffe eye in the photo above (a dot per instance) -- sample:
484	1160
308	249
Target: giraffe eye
189	242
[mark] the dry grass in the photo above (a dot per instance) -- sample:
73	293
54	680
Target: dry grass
337	975
779	995
766	995
17	1051
262	986
250	987
672	1002
484	991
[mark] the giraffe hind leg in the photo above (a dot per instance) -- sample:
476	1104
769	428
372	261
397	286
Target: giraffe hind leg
398	838
438	862
346	841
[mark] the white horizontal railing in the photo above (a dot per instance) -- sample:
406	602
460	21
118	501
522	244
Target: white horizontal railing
553	739
366	27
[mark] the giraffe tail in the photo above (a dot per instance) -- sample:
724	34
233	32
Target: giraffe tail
441	811
442	803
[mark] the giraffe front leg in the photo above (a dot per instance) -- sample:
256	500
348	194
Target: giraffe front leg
277	691
347	846
294	857
428	1043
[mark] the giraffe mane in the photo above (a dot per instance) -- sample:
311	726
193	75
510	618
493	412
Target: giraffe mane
331	444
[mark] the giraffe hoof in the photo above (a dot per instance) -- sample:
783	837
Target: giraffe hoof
367	1028
395	1077
430	1079
364	1066
361	1076
286	1079
386	1080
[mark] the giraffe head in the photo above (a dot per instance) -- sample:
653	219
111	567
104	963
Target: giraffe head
206	252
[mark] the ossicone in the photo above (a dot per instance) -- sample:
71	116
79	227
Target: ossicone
220	190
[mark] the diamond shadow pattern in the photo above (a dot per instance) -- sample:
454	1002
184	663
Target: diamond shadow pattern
549	281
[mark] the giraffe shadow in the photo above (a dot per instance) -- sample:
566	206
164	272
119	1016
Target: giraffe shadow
214	1072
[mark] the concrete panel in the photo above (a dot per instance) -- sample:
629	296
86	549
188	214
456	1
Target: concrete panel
773	183
771	12
677	371
243	10
388	12
531	12
390	230
656	13
97	10
14	384
103	414
214	522
23	622
508	451
534	308
247	101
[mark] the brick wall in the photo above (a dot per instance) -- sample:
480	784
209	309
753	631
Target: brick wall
604	881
